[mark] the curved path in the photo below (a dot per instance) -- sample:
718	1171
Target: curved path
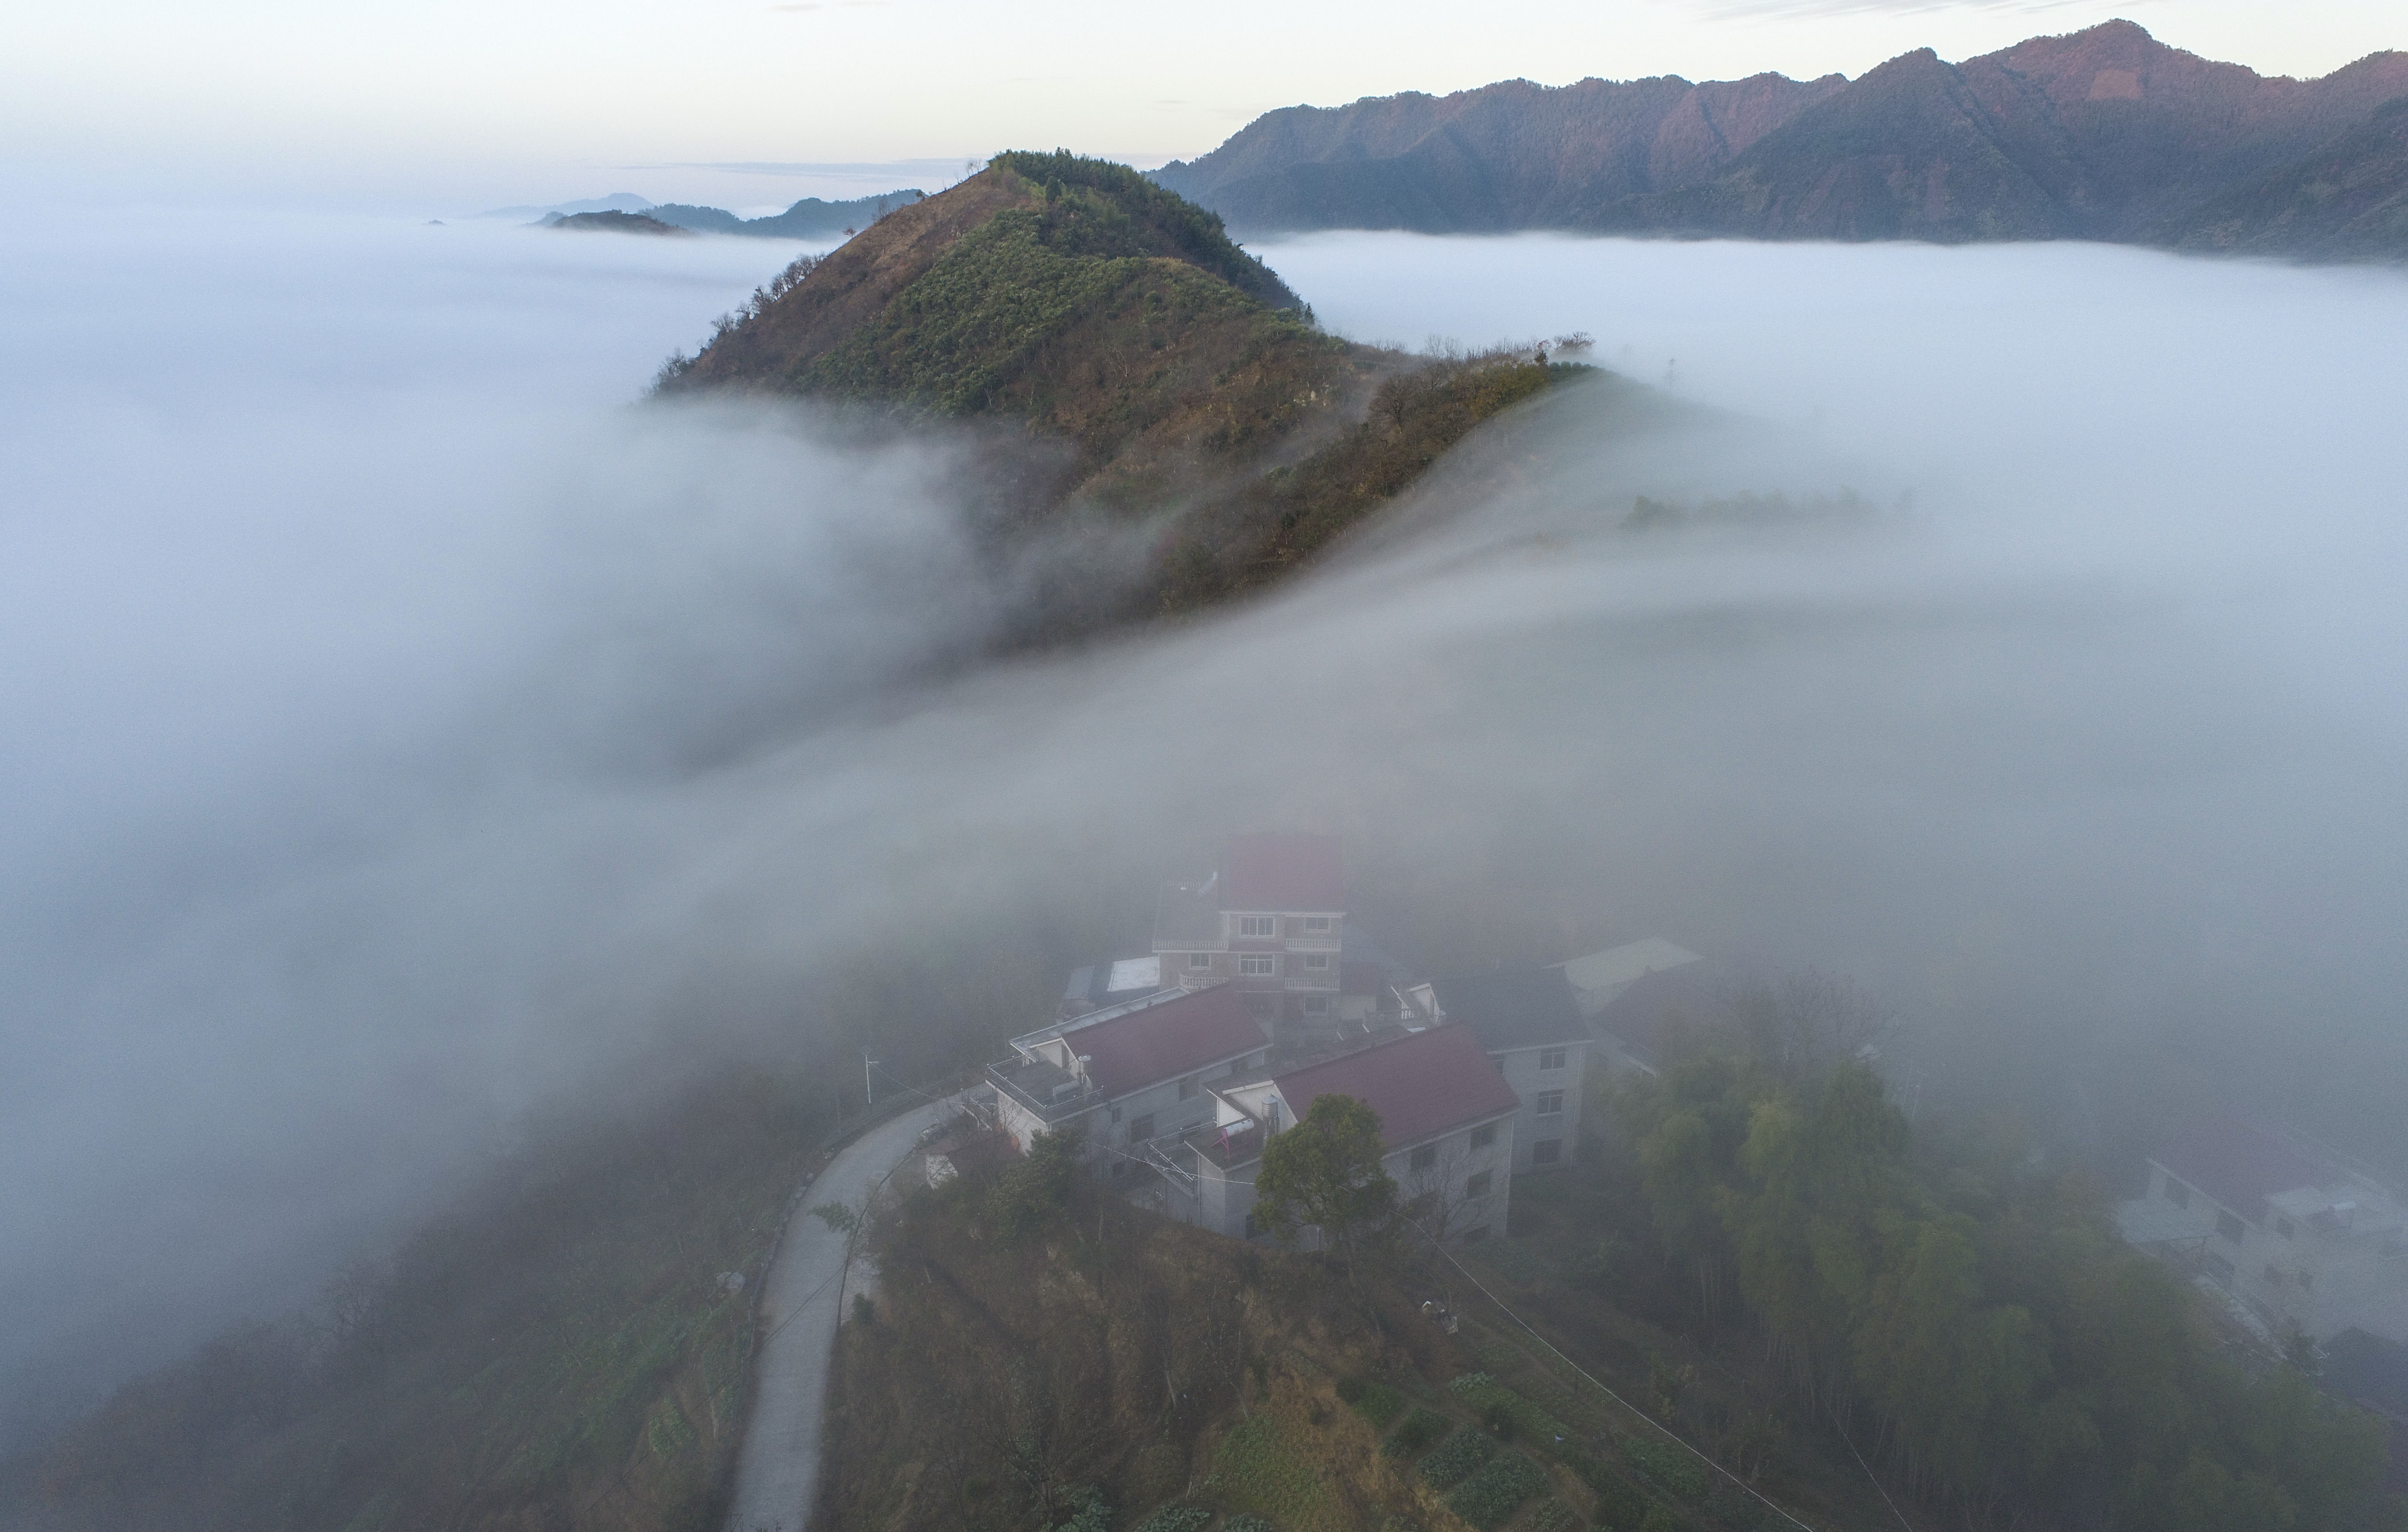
777	1467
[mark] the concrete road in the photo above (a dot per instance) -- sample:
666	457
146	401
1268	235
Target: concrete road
778	1467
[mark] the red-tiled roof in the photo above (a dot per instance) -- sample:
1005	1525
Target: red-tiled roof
2240	1166
1421	1085
1166	1041
1284	872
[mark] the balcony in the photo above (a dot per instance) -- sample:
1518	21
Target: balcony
1241	1143
1049	1093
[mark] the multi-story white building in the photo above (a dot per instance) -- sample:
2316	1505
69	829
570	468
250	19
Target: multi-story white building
1126	1075
1528	1020
2302	1243
1268	922
1446	1125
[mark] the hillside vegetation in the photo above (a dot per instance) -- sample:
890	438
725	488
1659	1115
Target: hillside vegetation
1145	371
2349	200
1043	1357
559	1351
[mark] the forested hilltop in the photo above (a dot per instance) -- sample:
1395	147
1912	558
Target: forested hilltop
2105	134
1134	370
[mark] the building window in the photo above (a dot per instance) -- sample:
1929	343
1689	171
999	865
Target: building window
1258	967
1253	1228
1547	1152
2274	1276
2176	1193
1259	925
1317	960
2232	1228
1187	1089
1141	1129
1484	1135
1477	1185
1473	1236
1551	1103
1199	960
1116	1111
1120	1167
1317	1005
2219	1269
2285	1227
1317	925
1423	1157
1551	1058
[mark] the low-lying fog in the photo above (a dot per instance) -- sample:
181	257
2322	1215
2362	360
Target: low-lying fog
405	733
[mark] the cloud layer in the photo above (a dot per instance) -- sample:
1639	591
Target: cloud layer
415	734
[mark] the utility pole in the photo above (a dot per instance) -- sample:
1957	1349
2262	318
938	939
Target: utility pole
868	1093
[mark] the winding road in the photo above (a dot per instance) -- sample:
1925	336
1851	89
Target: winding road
777	1467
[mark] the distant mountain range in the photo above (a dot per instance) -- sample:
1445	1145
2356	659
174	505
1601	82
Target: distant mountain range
617	202
2105	134
809	219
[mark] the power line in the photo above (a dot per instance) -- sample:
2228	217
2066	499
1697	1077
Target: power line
1626	1404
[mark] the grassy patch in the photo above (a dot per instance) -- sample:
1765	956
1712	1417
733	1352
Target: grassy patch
1265	1469
1497	1489
1674	1468
1175	1519
1507	1412
1374	1401
1457	1456
1552	1516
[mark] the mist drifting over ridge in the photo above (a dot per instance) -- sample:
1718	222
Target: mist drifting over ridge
418	736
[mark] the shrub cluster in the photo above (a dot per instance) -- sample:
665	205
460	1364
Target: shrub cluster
1674	1468
1491	1496
1457	1456
1374	1401
2013	1350
1505	1412
1422	1428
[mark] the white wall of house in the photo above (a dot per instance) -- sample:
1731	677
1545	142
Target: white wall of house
1291	954
1114	1127
2292	1271
1552	1076
1457	1186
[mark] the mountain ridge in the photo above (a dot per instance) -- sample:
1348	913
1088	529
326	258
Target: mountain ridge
1129	367
2102	134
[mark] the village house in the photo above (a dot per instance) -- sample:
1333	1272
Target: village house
1529	1022
1269	921
2299	1241
1127	1074
1629	993
1446	1123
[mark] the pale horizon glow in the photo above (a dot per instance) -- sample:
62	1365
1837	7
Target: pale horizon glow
444	110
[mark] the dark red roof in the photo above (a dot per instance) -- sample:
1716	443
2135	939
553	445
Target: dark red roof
1284	872
1421	1085
2240	1166
1166	1040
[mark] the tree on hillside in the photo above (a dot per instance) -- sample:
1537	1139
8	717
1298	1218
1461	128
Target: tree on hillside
1027	1196
1326	1172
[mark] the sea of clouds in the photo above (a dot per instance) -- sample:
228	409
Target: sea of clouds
408	730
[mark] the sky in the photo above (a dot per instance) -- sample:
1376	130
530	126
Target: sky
449	107
407	733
